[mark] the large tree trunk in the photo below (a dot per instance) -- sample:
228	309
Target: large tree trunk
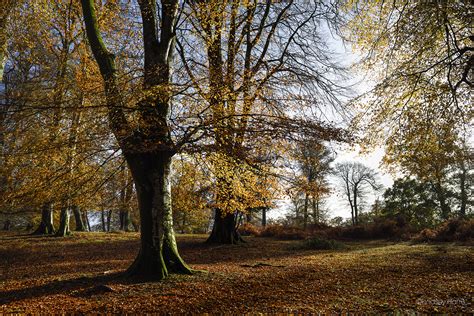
125	220
64	217
80	226
46	225
149	148
158	254
224	230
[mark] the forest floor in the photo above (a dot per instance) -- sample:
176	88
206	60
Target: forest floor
82	273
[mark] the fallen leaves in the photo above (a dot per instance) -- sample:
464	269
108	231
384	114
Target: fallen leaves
66	275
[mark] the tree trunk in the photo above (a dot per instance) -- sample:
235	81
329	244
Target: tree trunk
46	225
316	212
356	211
224	230
148	152
80	227
86	220
109	219
249	216
64	217
102	217
125	220
264	216
305	211
297	214
183	223
7	225
441	195
462	183
158	254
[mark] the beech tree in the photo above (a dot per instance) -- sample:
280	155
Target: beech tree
148	148
256	65
310	185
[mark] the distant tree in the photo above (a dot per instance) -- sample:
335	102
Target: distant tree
412	200
336	221
313	161
356	182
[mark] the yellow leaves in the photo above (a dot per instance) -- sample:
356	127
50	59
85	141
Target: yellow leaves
238	186
191	211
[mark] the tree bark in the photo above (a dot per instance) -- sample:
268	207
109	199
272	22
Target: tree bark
125	220
109	219
149	148
356	210
86	220
463	195
64	217
305	211
7	225
158	254
46	226
224	230
264	216
102	217
316	212
80	227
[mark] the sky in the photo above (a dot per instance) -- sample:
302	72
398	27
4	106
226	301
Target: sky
336	202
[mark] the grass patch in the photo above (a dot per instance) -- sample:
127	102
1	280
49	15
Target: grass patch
319	244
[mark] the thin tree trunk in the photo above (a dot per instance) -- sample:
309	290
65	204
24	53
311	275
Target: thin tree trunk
109	219
264	216
7	225
297	213
463	196
183	223
102	217
305	211
46	226
348	192
356	211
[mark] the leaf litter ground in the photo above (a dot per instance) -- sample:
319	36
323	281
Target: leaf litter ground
83	273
